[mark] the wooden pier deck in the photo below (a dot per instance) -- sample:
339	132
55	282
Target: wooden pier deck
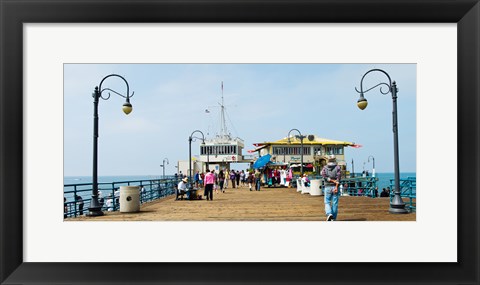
269	204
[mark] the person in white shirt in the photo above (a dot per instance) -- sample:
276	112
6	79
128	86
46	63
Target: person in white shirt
109	203
305	180
283	177
116	194
142	193
182	188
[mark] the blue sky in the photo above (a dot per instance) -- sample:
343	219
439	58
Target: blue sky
264	101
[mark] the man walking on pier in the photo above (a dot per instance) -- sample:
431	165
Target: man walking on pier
257	180
331	174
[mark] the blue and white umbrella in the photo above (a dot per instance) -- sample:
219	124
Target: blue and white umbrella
262	161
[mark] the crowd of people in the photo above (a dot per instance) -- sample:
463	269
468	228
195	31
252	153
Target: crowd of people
212	181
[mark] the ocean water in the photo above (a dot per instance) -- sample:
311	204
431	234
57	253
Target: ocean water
107	179
384	178
104	184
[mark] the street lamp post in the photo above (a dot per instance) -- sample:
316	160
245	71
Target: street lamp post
373	170
301	137
163	166
95	208
208	156
353	169
397	206
190	138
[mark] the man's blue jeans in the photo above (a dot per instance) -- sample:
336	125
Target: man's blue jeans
331	201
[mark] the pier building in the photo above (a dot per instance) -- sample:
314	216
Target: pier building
316	150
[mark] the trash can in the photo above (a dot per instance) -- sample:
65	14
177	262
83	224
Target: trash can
315	187
129	199
305	188
299	185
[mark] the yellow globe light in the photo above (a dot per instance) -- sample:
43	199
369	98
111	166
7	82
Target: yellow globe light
127	108
362	103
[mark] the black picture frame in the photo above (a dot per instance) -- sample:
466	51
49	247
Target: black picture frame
14	13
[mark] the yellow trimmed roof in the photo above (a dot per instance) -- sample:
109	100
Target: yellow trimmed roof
309	140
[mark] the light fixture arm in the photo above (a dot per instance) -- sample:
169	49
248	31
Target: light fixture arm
301	137
389	85
196	131
190	138
163	166
373	159
128	96
291	131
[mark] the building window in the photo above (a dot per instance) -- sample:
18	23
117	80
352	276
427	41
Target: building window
297	151
306	150
279	150
329	150
337	150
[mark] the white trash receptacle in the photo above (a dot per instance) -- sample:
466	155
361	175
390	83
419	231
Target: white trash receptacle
305	188
315	187
129	199
299	185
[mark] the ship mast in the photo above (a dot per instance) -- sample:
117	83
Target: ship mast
223	129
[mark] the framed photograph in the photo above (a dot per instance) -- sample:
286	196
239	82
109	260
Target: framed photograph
439	245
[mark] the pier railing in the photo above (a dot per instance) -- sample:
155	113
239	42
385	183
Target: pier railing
109	194
408	189
355	186
360	186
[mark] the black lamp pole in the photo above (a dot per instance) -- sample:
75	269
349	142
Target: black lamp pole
208	156
163	166
353	169
95	208
301	137
190	138
397	206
